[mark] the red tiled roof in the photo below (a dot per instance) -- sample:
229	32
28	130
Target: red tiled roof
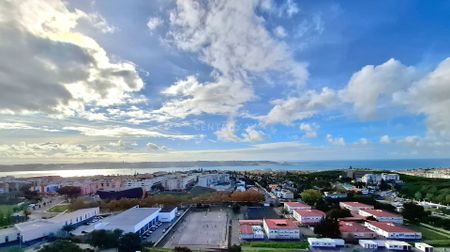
312	212
356	204
353	227
246	229
280	224
250	222
297	204
380	213
390	227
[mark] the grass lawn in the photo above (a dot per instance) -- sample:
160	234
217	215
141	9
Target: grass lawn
428	234
12	249
6	208
276	245
59	208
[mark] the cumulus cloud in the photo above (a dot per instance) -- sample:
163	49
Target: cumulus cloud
373	86
48	149
67	71
335	140
213	31
127	131
156	148
228	133
286	111
24	126
154	22
280	32
385	139
430	96
310	129
362	141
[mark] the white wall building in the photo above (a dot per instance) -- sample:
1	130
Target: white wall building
134	220
167	214
392	231
211	179
390	177
354	206
284	229
325	242
290	206
371	178
382	215
423	247
368	244
308	217
179	182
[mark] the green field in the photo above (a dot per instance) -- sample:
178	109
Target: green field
6	208
59	208
428	234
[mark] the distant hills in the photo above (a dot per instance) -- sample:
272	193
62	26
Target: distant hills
134	165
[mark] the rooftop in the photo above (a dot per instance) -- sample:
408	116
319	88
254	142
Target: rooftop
310	212
296	204
246	229
390	227
167	209
129	218
280	224
380	213
356	204
353	227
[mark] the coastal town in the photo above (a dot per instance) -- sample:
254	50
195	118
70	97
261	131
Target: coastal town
226	211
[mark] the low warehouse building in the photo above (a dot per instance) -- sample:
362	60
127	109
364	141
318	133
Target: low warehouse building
285	229
290	206
382	215
354	230
325	243
251	230
354	206
167	214
134	220
309	217
423	247
368	244
392	231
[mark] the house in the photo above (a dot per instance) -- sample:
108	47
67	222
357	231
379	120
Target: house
382	215
397	245
368	244
354	206
251	230
354	230
423	247
390	177
371	178
392	231
289	206
285	229
325	243
308	217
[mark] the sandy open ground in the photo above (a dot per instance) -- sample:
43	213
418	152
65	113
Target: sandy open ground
201	230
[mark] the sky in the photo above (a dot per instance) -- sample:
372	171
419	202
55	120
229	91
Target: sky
88	81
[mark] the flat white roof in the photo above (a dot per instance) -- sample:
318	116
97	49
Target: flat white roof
128	219
70	215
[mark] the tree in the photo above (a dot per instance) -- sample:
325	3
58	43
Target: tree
414	212
70	191
236	208
129	242
384	186
337	213
328	228
182	249
104	239
311	196
418	196
61	246
28	194
234	248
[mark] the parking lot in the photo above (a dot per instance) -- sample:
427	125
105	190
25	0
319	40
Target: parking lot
201	229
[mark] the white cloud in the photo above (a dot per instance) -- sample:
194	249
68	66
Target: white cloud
154	22
385	139
67	71
280	32
289	8
430	96
156	148
310	129
363	141
228	133
335	140
23	126
127	131
213	31
373	86
410	140
299	108
252	134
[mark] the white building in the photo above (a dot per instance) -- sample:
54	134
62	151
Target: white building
368	244
354	206
382	215
167	214
325	242
390	177
251	230
211	179
146	184
308	217
179	182
283	194
36	229
134	220
290	206
423	247
284	229
371	178
397	245
392	231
